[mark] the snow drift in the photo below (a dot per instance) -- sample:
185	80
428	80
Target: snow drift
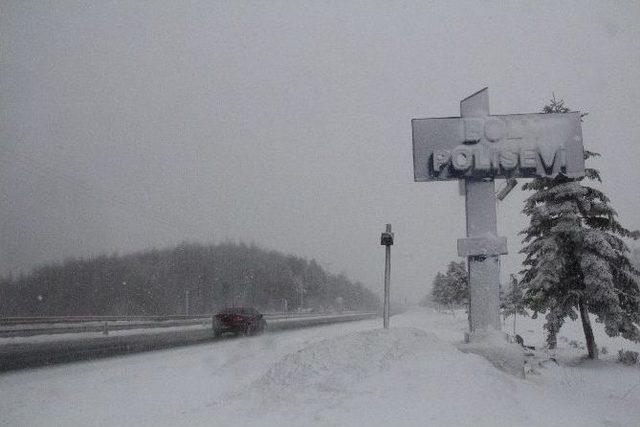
400	376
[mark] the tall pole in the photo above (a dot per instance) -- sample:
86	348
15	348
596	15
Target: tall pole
301	293
387	241
186	302
482	241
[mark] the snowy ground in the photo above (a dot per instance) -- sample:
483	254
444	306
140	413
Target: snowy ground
345	374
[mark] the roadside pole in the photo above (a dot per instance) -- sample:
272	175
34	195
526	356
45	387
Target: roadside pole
482	252
387	240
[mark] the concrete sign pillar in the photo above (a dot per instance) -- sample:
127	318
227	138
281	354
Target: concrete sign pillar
483	264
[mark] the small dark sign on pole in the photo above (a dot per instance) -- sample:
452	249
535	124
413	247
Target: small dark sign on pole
387	241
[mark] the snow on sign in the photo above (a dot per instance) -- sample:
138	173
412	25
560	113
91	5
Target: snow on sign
515	145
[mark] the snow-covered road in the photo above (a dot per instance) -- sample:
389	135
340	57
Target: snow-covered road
344	374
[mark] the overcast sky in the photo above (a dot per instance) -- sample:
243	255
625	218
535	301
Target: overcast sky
129	125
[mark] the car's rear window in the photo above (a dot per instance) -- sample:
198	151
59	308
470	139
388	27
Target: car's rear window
239	310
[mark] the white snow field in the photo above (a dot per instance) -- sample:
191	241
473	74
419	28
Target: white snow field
349	374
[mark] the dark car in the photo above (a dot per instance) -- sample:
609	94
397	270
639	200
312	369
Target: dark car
239	320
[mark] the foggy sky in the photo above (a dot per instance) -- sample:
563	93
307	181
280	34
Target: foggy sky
129	125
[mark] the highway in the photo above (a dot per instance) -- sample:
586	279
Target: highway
74	346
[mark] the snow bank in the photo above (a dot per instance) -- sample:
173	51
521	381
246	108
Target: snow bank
400	376
408	377
333	364
493	346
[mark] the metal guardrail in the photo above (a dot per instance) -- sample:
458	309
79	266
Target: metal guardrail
104	327
5	321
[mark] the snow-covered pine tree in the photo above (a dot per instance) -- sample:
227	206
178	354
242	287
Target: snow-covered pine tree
576	260
451	288
513	303
439	289
458	282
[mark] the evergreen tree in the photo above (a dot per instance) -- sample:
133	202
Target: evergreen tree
512	301
576	259
451	288
458	282
636	258
439	290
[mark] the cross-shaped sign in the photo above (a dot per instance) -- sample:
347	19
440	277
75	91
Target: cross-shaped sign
479	147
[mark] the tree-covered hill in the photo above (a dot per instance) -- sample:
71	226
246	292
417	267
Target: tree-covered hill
159	282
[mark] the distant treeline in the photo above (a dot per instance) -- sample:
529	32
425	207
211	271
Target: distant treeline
157	282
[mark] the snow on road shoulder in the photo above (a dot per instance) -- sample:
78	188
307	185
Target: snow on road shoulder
332	366
406	376
401	376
